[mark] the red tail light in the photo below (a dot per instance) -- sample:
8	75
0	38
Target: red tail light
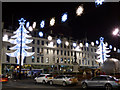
116	81
70	79
45	76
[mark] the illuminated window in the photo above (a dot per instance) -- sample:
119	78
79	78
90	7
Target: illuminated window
47	60
65	60
33	59
61	60
68	60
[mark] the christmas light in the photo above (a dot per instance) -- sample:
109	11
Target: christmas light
81	45
27	24
58	41
52	21
30	28
64	17
16	39
41	34
115	49
116	31
102	51
99	2
34	25
74	44
97	42
50	44
5	37
49	38
110	46
92	43
42	24
86	44
66	43
79	10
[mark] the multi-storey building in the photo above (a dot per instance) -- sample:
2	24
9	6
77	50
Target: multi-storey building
49	54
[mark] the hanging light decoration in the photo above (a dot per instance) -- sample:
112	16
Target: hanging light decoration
41	34
64	17
79	10
66	43
42	24
58	41
52	21
49	38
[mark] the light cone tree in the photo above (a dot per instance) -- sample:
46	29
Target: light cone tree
20	42
102	51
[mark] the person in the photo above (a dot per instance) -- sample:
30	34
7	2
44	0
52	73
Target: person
84	74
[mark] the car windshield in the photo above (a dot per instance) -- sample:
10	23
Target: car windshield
41	75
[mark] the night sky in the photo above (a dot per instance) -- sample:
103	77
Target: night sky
94	22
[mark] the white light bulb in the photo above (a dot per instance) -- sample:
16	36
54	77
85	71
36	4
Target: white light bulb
79	11
66	43
49	38
52	21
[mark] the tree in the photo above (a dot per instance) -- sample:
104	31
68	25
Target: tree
20	42
102	51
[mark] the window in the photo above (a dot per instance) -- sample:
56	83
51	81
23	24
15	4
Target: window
24	60
88	55
47	60
69	60
38	42
38	59
93	63
7	58
61	60
79	61
47	43
64	46
38	50
33	41
82	61
91	49
42	60
57	60
65	53
96	78
71	53
53	51
57	52
88	62
57	45
61	45
47	51
8	47
71	46
42	50
15	60
33	49
95	50
65	60
68	53
42	42
87	49
33	59
61	52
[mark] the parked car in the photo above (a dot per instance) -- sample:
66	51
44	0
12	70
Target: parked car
105	81
3	79
64	80
43	78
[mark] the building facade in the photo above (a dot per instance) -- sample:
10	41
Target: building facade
50	55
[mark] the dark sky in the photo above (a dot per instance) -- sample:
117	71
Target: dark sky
94	22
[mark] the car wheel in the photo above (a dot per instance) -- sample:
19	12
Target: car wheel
84	85
64	83
43	82
108	87
51	82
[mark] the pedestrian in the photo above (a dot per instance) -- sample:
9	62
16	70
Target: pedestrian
84	74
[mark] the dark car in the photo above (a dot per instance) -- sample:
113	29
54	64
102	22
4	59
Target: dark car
3	79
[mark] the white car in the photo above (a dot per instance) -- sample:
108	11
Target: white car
43	78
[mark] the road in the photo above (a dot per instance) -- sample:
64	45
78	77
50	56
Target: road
30	84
